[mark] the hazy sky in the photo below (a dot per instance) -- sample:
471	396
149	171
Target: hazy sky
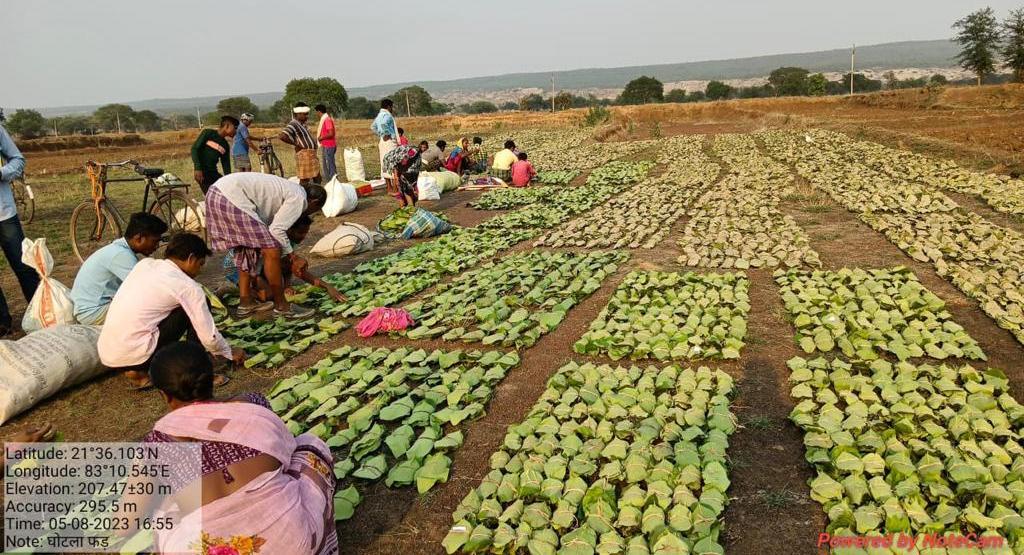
70	52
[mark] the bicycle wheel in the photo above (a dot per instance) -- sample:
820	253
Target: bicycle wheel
275	166
25	200
92	229
180	213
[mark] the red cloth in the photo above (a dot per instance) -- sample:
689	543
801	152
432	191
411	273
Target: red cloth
327	130
383	319
522	173
403	141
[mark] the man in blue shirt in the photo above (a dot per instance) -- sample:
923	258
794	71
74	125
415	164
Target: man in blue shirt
241	145
102	273
11	233
384	126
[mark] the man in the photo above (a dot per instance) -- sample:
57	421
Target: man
434	156
157	304
307	165
328	144
102	274
210	147
250	213
384	126
11	233
243	142
476	161
501	167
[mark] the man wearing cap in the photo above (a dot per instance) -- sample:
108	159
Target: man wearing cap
295	133
242	143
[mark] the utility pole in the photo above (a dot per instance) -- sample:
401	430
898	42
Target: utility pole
55	134
199	117
118	114
408	109
552	93
853	57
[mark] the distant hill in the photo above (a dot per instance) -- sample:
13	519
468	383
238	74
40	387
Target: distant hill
894	55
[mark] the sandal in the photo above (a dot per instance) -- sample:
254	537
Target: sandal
295	312
255	307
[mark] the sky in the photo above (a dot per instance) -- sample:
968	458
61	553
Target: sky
78	52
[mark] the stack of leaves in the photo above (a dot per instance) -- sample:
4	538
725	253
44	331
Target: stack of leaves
396	221
618	172
390	414
664	316
982	259
534	216
912	449
512	301
865	312
557	177
269	343
391	279
511	197
609	460
640	217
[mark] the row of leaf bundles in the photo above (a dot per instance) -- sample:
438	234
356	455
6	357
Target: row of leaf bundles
514	300
609	460
503	199
557	177
864	312
670	315
619	172
390	413
270	342
903	448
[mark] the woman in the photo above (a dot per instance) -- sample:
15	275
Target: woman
458	160
261	486
403	164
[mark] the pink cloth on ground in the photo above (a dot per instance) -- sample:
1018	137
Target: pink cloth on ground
384	319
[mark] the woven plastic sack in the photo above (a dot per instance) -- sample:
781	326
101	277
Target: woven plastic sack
424	223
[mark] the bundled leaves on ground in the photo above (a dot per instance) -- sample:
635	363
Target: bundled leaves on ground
609	460
391	279
396	221
620	172
558	208
514	300
565	149
557	177
390	414
511	197
269	343
864	312
910	449
665	315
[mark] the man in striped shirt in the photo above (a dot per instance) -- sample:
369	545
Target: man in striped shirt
295	133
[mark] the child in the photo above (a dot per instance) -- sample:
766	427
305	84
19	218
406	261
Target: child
522	171
291	265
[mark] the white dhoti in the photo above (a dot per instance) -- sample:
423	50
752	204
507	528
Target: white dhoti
385	147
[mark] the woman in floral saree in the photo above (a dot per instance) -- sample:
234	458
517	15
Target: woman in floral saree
263	490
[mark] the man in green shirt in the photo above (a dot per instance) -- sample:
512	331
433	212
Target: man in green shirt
210	147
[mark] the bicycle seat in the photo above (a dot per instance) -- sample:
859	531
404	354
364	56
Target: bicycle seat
150	172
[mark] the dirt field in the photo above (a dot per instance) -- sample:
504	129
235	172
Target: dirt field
770	510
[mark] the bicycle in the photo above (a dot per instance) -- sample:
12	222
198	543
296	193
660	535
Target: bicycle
269	162
24	199
96	221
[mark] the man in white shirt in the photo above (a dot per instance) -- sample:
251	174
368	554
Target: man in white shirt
249	214
158	303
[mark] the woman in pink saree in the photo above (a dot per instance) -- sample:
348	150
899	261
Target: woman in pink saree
264	491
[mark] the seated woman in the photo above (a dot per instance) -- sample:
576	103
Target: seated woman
259	482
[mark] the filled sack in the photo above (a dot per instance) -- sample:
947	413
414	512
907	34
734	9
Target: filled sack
44	362
348	238
427	188
341	198
423	223
190	220
51	305
354	170
449	181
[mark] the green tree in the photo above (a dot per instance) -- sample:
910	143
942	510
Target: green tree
361	107
938	80
238	105
1013	45
534	103
861	83
478	107
147	120
817	84
717	90
438	108
642	90
676	95
789	81
181	121
509	105
978	36
891	82
278	112
108	116
69	125
564	100
413	100
325	90
696	96
28	124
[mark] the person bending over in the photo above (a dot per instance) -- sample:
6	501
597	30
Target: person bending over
106	269
159	303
